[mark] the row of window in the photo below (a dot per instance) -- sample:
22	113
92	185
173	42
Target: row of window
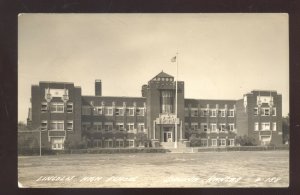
217	142
110	111
57	107
265	111
108	126
204	112
163	79
265	126
213	127
57	125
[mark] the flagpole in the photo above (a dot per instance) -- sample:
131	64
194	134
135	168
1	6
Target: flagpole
175	146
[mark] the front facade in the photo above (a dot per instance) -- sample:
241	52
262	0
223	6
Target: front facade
67	117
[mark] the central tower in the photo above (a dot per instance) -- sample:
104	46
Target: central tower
160	93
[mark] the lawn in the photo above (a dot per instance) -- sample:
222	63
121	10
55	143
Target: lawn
203	169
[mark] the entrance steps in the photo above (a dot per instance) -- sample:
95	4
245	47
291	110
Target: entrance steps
181	148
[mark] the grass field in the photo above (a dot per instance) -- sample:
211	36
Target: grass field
204	169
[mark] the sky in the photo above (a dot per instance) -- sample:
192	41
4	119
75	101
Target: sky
220	56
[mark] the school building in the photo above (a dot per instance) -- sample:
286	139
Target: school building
64	116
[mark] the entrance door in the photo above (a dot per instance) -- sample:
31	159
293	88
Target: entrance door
168	136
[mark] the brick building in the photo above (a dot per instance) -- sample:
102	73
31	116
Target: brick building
64	115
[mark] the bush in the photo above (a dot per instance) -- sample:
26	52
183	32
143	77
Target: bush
246	141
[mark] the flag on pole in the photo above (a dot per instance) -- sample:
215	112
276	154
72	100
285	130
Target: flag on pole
173	59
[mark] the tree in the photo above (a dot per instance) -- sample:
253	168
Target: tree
246	141
286	128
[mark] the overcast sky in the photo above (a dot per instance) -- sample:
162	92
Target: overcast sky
221	56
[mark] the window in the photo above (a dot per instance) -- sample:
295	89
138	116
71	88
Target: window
44	107
69	125
108	126
97	126
44	125
222	113
265	111
130	126
214	142
130	111
231	142
57	125
57	143
231	113
186	112
204	127
119	112
222	127
97	143
194	126
194	112
140	111
98	111
255	111
213	113
204	112
108	111
69	107
265	126
274	128
86	126
256	127
108	143
120	126
86	110
231	126
119	143
141	127
213	127
57	107
223	142
130	143
203	142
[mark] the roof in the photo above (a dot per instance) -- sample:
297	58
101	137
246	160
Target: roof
162	74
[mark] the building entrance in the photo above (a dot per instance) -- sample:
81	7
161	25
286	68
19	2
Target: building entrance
168	136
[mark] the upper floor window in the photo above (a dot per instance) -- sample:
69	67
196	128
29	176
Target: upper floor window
130	126
57	107
274	126
69	107
194	112
44	125
70	125
222	113
86	125
130	111
204	112
256	126
265	111
265	126
255	111
231	126
274	111
120	126
194	126
222	127
141	127
97	126
140	111
119	112
44	107
231	113
57	125
213	127
108	111
204	126
98	111
108	126
213	113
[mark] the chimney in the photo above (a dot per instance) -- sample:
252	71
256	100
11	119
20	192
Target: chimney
98	88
